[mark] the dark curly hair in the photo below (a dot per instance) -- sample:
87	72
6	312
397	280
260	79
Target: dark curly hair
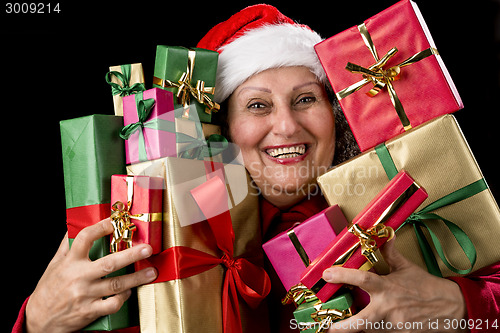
345	144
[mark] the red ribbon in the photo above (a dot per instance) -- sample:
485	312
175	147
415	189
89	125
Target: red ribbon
78	218
242	277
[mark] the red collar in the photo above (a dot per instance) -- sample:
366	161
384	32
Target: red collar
275	220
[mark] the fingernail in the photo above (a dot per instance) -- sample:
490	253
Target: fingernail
151	273
146	252
327	275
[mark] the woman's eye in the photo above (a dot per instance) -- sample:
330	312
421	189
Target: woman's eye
307	99
256	105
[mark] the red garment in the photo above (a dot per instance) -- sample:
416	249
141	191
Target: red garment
481	289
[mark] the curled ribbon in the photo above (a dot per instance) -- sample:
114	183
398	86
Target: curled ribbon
124	89
327	316
299	294
382	78
186	89
123	228
368	244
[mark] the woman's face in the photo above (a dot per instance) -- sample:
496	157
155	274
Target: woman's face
283	123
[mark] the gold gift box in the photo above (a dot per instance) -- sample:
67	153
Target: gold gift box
194	304
438	157
188	127
136	76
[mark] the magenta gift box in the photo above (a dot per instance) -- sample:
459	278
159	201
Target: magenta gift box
158	142
311	236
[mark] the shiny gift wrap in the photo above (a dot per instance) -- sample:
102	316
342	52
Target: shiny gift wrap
194	303
190	75
293	250
149	130
437	155
137	208
314	316
392	58
370	229
92	152
124	80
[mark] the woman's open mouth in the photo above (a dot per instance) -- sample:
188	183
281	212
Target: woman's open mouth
292	153
287	152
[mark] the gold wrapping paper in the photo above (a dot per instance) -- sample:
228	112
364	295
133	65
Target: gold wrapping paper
194	304
438	157
136	76
188	127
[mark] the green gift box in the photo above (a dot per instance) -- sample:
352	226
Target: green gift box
92	151
190	75
314	316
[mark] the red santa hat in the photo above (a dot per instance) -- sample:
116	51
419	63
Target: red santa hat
257	38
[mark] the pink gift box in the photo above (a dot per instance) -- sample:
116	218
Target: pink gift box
392	206
147	201
424	88
156	142
311	236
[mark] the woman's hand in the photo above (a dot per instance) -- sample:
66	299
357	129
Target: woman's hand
69	295
407	300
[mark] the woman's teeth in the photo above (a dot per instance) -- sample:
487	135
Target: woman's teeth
287	152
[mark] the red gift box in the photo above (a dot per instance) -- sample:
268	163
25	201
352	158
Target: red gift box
136	211
401	94
369	230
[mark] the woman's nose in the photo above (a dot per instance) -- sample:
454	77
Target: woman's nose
285	122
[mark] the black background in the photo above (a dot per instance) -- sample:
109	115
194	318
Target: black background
52	67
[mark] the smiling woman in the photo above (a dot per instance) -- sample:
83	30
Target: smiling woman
277	107
283	121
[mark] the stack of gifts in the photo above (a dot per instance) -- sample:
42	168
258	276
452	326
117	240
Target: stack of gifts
160	169
397	96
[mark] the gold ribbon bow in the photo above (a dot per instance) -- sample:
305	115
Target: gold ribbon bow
299	294
382	78
368	244
327	316
123	228
186	90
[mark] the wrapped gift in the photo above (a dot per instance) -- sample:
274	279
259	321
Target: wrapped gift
136	211
193	139
370	229
92	152
190	75
193	228
314	316
292	251
392	58
125	80
437	155
151	130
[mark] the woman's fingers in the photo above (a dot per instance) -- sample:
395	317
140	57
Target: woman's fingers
118	284
367	281
393	257
115	261
87	236
63	249
109	305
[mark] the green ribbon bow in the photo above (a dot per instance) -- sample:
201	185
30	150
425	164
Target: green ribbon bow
422	219
144	108
124	89
197	147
